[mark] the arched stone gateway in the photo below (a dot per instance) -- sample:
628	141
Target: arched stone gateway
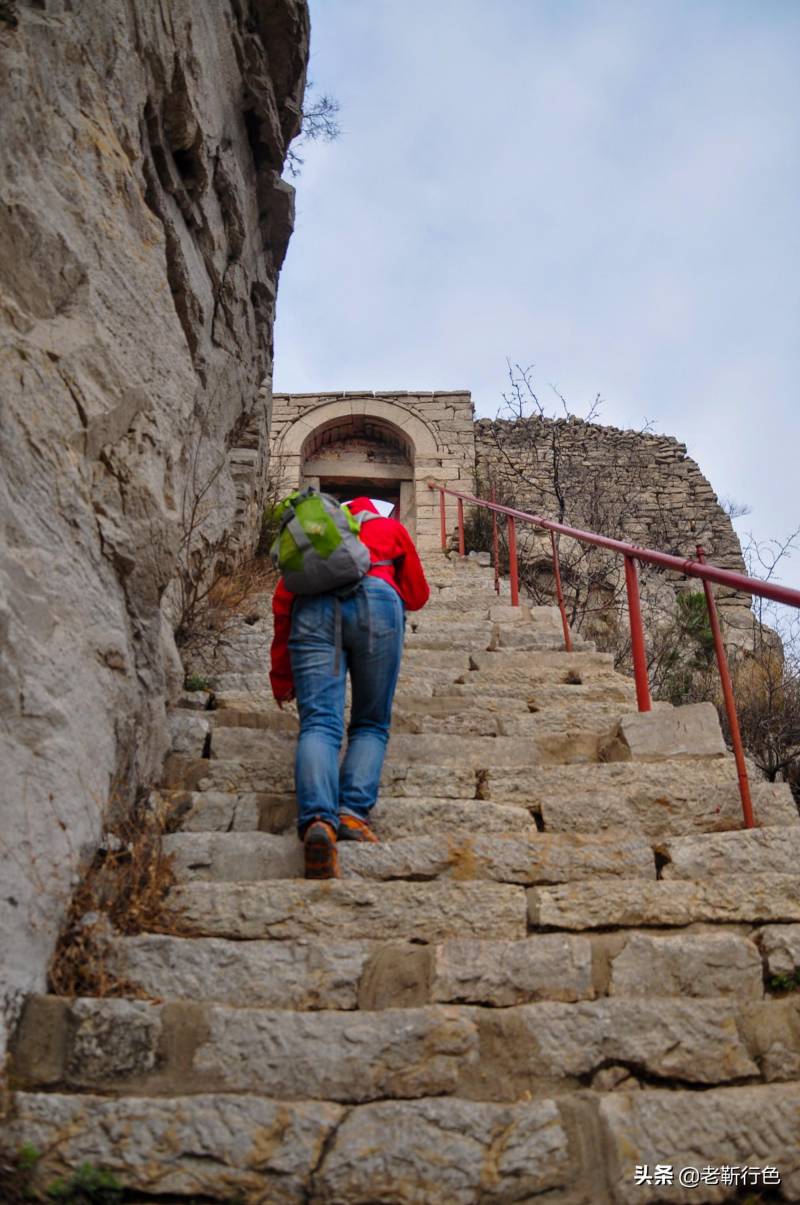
385	445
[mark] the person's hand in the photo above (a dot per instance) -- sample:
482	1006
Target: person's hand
284	698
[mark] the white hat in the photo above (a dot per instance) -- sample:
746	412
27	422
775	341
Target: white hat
384	509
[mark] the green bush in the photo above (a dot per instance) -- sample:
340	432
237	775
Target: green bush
196	682
785	983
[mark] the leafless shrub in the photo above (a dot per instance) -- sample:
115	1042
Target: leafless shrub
320	124
122	891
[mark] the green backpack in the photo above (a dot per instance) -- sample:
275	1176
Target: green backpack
317	548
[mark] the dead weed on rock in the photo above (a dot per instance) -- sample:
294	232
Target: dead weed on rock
123	892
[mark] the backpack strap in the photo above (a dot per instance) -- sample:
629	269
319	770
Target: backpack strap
298	535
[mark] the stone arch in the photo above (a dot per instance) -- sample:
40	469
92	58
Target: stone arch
420	434
350	446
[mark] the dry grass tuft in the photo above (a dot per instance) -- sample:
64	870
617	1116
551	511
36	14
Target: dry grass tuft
123	891
233	593
204	628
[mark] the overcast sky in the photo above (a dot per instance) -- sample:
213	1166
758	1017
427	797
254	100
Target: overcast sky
606	190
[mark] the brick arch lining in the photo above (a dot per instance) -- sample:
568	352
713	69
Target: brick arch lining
362	427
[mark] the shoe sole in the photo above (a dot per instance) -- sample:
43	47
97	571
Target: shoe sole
321	858
348	834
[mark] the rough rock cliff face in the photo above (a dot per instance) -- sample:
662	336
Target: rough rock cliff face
142	229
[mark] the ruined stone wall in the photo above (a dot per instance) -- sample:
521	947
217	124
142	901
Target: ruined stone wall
142	228
636	486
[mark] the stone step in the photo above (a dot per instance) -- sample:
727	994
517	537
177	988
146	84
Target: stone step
246	857
323	1151
684	964
114	1045
441	704
527	638
524	667
613	903
276	776
453	659
268	749
754	852
454	637
554	696
287	910
393	817
335	974
329	973
670	797
547	689
422	679
227	1147
251	679
443	615
753	1126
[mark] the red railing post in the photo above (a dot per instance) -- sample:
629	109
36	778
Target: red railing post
495	546
443	520
637	636
730	702
460	527
560	594
513	572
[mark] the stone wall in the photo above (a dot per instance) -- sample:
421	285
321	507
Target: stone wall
636	486
436	430
142	228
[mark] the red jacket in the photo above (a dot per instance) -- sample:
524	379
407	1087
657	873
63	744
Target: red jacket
387	540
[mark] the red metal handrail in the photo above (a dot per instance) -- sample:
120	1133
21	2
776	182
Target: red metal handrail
632	553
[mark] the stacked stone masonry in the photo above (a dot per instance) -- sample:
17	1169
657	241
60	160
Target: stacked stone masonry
635	485
435	433
553	968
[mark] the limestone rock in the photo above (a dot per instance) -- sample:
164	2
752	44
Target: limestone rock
517	665
412	1153
689	731
694	1041
244	857
514	859
251	1147
274	775
270	974
188	732
675	798
398	817
734	1127
772	897
691	964
780	945
351	909
753	851
352	1056
500	973
143	224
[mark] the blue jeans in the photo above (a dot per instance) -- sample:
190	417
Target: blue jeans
372	624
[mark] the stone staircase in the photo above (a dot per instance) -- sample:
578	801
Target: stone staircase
555	967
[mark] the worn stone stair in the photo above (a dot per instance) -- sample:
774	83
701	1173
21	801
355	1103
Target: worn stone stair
562	961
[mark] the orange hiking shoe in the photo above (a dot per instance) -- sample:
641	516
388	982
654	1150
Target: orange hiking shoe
322	857
353	829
